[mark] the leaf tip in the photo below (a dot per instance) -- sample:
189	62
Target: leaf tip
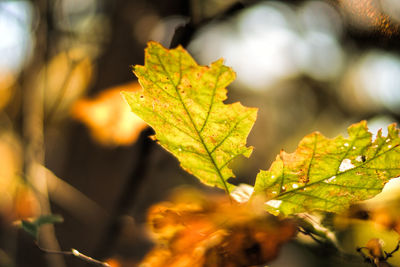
248	152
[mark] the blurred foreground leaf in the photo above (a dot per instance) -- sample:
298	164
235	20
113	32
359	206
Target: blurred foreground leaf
197	230
183	102
330	174
17	199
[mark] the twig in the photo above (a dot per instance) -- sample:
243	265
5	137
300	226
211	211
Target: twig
74	253
388	255
127	197
72	200
88	259
364	256
305	232
376	260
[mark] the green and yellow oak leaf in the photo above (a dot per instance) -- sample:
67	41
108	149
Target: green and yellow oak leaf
330	174
183	102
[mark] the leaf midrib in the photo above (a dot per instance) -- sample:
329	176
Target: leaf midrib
191	118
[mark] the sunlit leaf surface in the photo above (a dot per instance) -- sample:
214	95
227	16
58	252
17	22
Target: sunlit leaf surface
330	174
197	230
183	102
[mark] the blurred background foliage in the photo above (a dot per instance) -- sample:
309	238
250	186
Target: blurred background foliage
69	145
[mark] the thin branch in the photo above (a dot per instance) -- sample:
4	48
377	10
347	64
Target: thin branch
33	127
72	200
390	254
305	232
74	253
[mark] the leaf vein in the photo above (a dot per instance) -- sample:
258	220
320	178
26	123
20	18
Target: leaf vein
229	133
212	100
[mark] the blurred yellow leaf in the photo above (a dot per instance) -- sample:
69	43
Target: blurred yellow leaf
197	230
109	119
64	79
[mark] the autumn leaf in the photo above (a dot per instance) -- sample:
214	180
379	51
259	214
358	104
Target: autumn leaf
109	119
198	230
330	174
183	102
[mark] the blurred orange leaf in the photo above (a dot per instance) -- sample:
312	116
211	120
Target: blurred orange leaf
197	230
17	201
109	118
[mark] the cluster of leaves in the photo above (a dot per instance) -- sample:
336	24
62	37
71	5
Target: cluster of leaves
195	230
183	102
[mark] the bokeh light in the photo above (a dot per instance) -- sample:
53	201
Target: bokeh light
374	81
271	42
391	7
16	41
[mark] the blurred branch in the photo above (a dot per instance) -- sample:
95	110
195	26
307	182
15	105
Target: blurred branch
33	129
71	199
61	94
184	34
127	197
